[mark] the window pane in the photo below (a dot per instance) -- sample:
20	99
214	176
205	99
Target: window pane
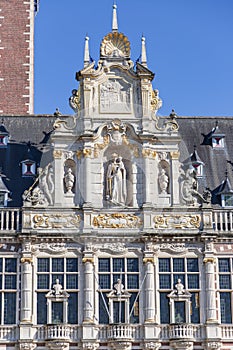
224	265
73	308
165	281
10	265
10	281
180	312
57	312
104	265
71	282
225	305
119	311
224	282
118	265
132	265
132	282
195	308
57	265
9	308
43	265
164	265
41	308
134	308
164	308
1	283
178	265
72	265
43	282
103	314
104	281
0	264
193	281
192	265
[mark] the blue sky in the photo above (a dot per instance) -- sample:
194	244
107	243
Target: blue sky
189	48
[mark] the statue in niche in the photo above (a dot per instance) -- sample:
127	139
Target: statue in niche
163	181
116	182
189	187
69	180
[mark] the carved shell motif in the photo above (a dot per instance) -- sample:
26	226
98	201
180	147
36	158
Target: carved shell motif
115	45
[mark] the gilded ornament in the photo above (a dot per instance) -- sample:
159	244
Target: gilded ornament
149	153
26	260
115	45
117	220
87	152
175	155
148	260
156	102
100	146
177	221
56	221
88	259
209	260
79	154
57	154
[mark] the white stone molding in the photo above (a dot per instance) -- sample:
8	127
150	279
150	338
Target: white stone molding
151	345
29	345
57	345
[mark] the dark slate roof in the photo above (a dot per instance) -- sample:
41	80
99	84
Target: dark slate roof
28	139
193	131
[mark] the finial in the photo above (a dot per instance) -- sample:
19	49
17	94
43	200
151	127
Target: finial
86	52
143	52
114	18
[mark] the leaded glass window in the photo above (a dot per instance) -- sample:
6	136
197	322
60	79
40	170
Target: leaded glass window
187	270
66	270
225	273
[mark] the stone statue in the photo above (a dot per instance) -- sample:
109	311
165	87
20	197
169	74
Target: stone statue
189	187
179	287
116	182
163	181
119	287
69	180
57	287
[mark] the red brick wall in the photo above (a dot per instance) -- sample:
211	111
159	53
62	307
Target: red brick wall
16	56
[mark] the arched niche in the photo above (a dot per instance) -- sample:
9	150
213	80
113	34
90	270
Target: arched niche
69	168
164	177
117	157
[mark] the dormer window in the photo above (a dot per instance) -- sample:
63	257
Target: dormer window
198	167
4	136
218	141
227	200
4	192
28	168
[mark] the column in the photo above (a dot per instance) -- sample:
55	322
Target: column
26	298
58	179
88	311
210	290
175	174
149	290
87	152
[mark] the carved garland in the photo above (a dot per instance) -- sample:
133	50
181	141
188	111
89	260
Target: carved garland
177	221
117	220
56	221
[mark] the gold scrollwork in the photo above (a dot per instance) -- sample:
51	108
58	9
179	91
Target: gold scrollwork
88	260
209	260
148	260
26	260
149	153
56	221
57	154
117	220
177	221
175	155
100	146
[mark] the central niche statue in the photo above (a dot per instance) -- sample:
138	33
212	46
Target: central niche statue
116	182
